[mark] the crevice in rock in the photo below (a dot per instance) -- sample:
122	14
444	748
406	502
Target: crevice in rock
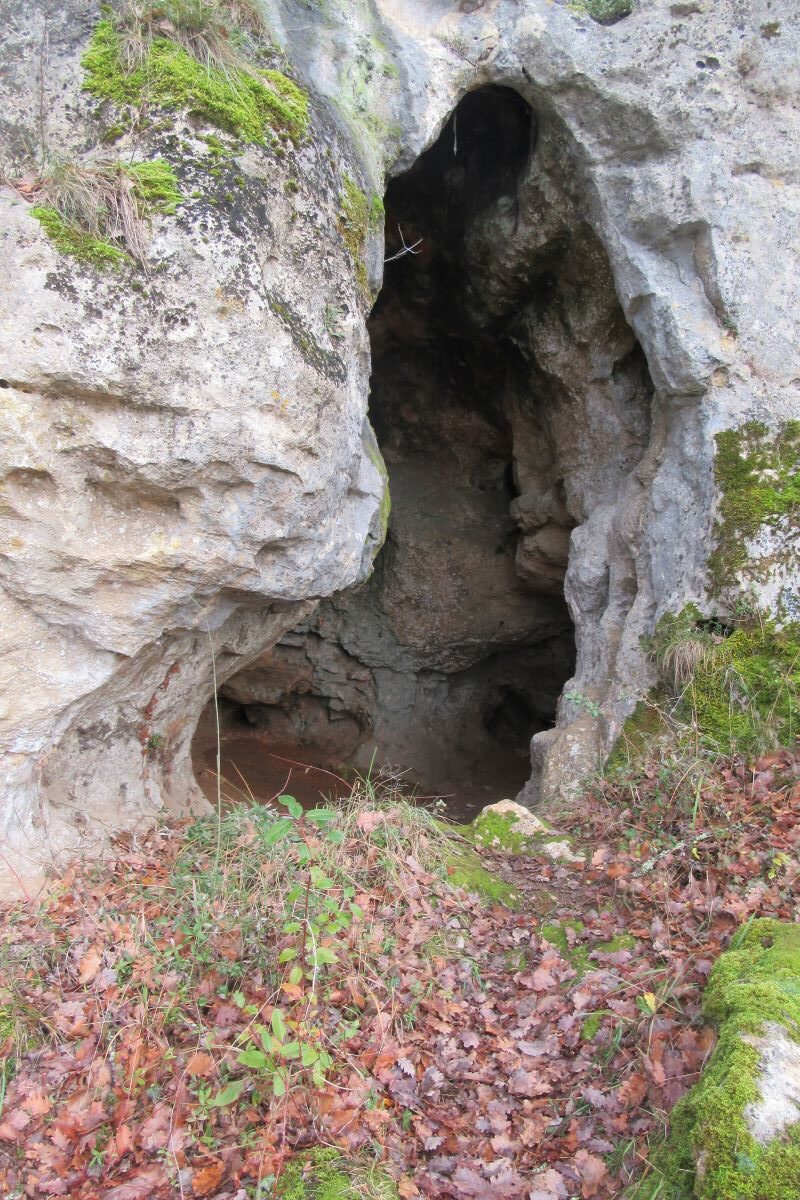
510	401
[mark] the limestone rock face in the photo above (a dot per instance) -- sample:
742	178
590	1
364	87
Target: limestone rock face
184	458
186	462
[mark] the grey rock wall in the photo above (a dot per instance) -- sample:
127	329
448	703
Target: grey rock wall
189	454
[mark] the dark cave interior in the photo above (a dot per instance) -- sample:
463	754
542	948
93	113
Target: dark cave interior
494	335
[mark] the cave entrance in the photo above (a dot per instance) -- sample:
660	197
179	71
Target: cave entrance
508	395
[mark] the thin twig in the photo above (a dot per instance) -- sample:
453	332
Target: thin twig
406	248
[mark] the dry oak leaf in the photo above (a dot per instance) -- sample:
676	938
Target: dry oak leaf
632	1092
200	1064
593	1172
207	1179
528	1083
37	1104
89	965
550	1185
154	1133
16	1121
141	1186
542	980
369	820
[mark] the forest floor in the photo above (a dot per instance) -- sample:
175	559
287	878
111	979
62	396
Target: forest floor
192	1016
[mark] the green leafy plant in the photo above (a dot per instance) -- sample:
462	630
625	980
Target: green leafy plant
583	702
281	1059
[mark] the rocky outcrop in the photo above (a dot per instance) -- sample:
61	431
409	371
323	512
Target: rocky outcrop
186	459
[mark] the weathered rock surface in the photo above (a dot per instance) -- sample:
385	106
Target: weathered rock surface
186	449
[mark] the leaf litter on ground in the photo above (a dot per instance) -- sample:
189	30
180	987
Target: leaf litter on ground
166	1029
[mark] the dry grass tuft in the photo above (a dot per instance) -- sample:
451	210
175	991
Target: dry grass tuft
98	198
208	30
682	659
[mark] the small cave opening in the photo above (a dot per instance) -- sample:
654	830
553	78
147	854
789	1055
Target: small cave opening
508	397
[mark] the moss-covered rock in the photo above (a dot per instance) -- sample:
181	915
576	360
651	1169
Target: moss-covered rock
605	12
357	216
510	827
757	472
96	252
721	1147
253	104
741	694
155	190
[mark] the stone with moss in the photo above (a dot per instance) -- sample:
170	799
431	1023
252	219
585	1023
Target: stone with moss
77	243
509	826
757	472
376	458
743	693
155	186
604	12
325	1174
736	1136
357	217
252	104
155	190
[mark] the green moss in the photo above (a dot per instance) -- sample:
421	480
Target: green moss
605	12
97	252
357	215
218	152
590	1026
757	472
248	104
376	458
385	511
155	186
325	1174
621	941
578	955
496	830
155	189
757	980
467	871
745	695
